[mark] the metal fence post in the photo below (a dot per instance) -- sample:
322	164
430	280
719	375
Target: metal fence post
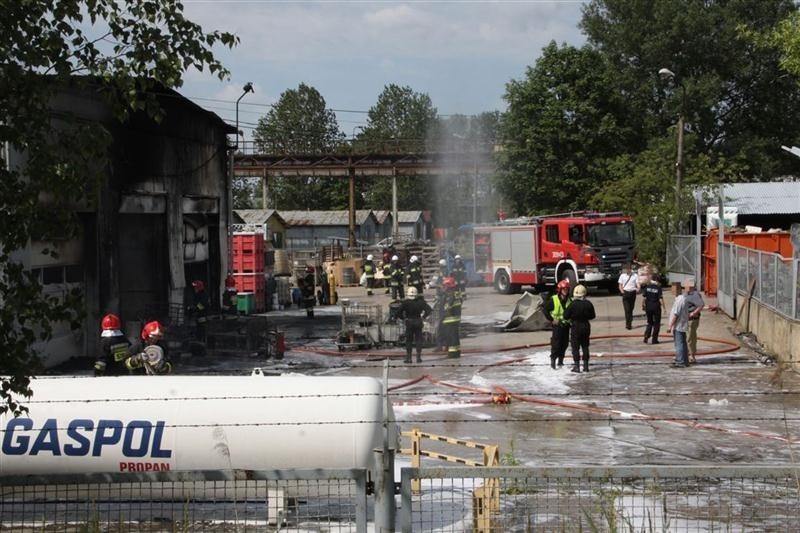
383	467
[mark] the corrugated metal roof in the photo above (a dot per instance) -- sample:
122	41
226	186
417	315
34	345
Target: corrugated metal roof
382	215
324	218
772	198
408	217
256	216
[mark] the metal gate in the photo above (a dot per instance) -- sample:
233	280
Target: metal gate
726	278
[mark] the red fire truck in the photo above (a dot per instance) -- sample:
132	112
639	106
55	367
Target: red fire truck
584	247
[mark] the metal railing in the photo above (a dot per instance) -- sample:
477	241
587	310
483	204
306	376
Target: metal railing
238	500
614	499
774	279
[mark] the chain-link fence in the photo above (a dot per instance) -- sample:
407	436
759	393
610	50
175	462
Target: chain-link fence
774	279
308	500
614	499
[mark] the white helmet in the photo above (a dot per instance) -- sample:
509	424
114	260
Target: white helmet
369	257
579	292
442	262
414	259
457	256
411	293
395	258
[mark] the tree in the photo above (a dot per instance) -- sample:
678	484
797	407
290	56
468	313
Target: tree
117	49
300	123
738	101
565	120
400	122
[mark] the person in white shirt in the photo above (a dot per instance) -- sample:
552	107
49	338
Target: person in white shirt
628	287
696	304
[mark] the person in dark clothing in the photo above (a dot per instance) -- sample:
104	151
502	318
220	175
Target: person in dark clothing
229	297
554	308
652	305
369	273
579	313
459	272
307	292
451	323
199	309
397	278
152	359
114	348
414	310
438	311
415	274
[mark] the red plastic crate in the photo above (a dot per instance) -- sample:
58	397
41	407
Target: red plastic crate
250	282
248	263
248	243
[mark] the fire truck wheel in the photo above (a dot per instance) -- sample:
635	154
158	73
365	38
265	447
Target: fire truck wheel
569	275
501	282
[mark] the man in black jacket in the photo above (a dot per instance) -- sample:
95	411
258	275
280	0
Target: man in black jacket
579	314
414	310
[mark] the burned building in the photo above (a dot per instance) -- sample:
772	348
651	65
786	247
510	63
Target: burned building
160	220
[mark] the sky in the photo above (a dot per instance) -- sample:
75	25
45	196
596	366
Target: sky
460	53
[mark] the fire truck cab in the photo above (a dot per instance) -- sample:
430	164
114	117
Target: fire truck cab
590	248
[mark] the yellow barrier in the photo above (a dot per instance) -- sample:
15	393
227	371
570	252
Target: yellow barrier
485	499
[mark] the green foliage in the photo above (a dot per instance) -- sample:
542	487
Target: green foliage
300	123
643	186
564	122
118	50
400	121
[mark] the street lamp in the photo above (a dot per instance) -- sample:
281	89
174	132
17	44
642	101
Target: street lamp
248	88
667	75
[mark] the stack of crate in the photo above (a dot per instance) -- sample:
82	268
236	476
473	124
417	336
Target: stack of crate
248	269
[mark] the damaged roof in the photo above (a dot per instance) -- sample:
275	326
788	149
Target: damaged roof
770	198
324	218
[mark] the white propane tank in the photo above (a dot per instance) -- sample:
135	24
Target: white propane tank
169	423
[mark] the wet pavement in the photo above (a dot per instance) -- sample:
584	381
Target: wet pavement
632	407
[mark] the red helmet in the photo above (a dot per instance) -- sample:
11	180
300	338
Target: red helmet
563	284
449	283
230	282
198	285
111	321
152	330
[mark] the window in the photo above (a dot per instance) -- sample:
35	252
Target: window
551	233
576	234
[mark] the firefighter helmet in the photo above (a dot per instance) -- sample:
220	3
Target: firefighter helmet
198	285
111	321
457	257
414	259
395	258
442	262
449	283
152	331
230	282
369	257
411	293
563	284
579	292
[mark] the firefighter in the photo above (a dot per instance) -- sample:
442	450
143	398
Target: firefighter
199	309
443	273
307	292
152	359
438	308
386	269
579	314
114	348
554	308
229	297
369	272
415	274
396	275
414	309
459	272
452	317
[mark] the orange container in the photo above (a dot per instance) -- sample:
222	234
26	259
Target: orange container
778	242
244	263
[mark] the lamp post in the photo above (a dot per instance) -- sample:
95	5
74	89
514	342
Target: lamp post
667	75
248	88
